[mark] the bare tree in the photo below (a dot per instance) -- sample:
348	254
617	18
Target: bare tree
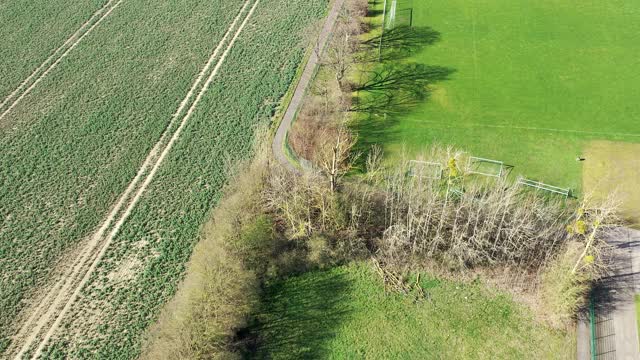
340	54
334	154
309	36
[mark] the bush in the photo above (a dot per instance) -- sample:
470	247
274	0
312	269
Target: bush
221	288
320	251
563	292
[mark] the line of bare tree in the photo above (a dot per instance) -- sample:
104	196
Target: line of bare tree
407	221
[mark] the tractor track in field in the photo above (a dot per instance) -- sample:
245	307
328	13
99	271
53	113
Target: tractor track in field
43	320
28	84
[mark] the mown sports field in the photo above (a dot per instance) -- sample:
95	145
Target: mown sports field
532	84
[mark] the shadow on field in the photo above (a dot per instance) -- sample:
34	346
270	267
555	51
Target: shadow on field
373	12
394	87
399	43
299	316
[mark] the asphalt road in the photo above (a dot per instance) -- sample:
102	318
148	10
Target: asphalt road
301	88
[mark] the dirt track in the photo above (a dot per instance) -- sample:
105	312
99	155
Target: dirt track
48	313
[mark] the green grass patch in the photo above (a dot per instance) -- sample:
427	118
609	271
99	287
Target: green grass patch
533	83
344	313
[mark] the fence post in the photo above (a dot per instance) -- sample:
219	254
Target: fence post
384	13
592	326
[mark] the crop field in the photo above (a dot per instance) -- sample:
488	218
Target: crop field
32	31
344	313
112	162
531	83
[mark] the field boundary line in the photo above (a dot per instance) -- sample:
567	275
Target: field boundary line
534	129
58	60
88	253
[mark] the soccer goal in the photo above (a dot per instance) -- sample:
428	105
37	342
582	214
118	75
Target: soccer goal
404	17
391	19
425	169
399	13
544	187
486	167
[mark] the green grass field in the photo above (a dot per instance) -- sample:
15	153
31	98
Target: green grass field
344	313
533	82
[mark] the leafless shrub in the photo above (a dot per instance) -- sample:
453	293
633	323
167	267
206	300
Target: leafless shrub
344	44
303	204
312	121
334	154
221	286
487	223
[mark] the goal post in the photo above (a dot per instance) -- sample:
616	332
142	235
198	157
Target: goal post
538	185
392	15
427	169
384	15
486	167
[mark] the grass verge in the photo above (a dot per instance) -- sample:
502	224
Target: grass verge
344	313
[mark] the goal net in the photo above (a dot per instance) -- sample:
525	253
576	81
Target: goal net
398	13
540	186
425	169
486	167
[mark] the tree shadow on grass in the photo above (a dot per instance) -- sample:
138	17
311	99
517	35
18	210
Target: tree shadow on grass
396	88
391	91
393	87
374	12
299	316
398	43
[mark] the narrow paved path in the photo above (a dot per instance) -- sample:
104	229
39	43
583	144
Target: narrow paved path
616	325
301	88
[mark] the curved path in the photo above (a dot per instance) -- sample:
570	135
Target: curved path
301	88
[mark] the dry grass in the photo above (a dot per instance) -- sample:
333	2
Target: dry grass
614	167
563	293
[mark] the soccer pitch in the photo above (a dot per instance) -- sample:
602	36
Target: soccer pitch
534	83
